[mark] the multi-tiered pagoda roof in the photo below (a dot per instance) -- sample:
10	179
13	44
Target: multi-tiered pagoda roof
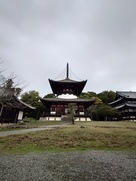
67	85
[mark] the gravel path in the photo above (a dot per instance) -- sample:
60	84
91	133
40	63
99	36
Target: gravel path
71	166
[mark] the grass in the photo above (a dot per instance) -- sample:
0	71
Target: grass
94	136
30	124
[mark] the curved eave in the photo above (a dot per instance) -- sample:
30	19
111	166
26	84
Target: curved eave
27	106
77	86
125	105
18	104
66	81
48	101
116	101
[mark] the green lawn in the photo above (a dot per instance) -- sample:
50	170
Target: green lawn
92	135
30	124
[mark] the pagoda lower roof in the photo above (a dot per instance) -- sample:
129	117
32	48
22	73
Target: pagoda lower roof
49	101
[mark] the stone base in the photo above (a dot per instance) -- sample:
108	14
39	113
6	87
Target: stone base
60	118
83	119
50	118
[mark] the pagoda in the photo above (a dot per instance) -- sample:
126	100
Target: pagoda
66	91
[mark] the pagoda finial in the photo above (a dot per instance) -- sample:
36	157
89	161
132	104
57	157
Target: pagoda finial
67	76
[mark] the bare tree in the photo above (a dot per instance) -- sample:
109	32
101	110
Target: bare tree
1	76
9	86
10	89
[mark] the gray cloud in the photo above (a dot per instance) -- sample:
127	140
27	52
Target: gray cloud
97	38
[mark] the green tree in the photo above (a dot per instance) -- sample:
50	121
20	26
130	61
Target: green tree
107	96
104	112
87	95
33	98
94	107
50	95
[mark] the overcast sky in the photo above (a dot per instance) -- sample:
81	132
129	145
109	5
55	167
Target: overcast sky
96	37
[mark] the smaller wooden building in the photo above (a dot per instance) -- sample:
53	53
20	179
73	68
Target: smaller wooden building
125	103
11	111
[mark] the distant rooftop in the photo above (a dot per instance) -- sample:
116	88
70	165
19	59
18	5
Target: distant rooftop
127	94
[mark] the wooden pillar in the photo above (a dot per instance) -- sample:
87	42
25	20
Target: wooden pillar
1	110
16	116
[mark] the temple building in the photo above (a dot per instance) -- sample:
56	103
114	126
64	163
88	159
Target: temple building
125	103
66	91
12	110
